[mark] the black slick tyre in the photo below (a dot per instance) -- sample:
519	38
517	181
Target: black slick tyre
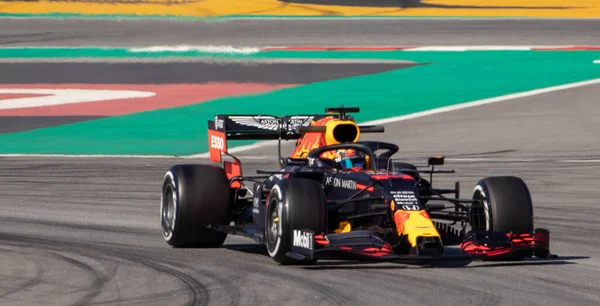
293	203
194	196
506	205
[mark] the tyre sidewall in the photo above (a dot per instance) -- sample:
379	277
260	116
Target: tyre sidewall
481	190
202	196
168	228
281	241
289	194
507	204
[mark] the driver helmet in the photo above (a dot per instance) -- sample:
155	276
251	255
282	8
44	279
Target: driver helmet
351	159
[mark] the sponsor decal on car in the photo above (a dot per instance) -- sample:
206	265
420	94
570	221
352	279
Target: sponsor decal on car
303	239
272	123
217	144
219	123
341	183
410	207
405	199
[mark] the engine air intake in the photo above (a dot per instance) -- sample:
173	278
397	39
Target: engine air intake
343	132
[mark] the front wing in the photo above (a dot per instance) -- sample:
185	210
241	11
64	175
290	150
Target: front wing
367	245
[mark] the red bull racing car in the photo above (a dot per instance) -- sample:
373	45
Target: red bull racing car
338	197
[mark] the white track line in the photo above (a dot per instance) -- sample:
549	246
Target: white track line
186	48
66	96
88	156
433	111
246	157
229	49
523	160
596	62
485	101
381	121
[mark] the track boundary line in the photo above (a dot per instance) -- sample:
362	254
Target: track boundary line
435	111
421	114
449	48
250	50
522	160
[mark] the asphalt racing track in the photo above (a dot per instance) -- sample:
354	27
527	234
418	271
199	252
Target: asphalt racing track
274	32
85	230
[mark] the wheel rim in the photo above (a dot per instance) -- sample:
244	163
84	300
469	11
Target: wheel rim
478	213
274	223
168	209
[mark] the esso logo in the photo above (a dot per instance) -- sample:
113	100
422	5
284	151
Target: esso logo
217	142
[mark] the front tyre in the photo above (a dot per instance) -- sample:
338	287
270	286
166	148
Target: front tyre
194	196
293	203
505	207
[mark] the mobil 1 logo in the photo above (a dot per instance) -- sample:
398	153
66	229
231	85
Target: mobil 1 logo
303	239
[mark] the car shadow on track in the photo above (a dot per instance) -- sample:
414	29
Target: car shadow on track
340	265
259	249
250	248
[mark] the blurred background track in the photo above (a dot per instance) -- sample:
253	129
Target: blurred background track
260	32
219	8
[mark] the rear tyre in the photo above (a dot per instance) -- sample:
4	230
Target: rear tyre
194	196
293	203
506	205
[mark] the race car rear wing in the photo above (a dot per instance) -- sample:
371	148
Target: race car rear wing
254	127
268	127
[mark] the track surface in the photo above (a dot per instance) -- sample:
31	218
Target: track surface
12	124
85	231
192	72
405	32
88	228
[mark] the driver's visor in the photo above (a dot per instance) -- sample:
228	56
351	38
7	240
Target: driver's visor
353	162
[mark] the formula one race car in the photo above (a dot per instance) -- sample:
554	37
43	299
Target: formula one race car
338	197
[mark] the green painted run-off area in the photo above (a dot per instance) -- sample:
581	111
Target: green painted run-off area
451	78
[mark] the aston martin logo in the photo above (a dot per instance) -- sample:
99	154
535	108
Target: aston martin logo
261	122
271	123
296	121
